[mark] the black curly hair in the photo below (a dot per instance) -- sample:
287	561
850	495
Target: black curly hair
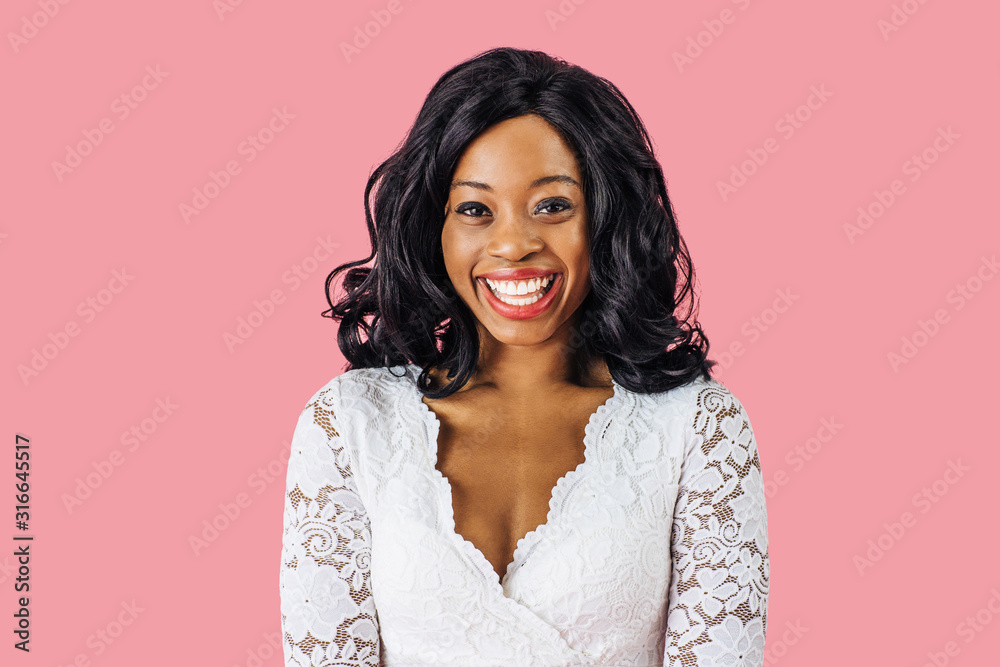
640	268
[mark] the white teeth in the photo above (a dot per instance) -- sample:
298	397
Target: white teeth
502	288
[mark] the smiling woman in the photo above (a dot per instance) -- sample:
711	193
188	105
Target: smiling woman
499	213
527	461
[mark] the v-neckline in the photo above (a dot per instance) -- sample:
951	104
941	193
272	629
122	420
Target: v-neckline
592	430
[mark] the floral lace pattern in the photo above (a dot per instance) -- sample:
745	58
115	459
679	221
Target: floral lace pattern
718	599
327	613
654	551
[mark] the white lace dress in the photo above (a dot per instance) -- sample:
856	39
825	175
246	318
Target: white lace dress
654	552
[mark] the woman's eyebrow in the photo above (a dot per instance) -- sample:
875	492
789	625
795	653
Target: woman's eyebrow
538	182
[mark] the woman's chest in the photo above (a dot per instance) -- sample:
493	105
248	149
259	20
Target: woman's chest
602	557
584	519
502	465
598	467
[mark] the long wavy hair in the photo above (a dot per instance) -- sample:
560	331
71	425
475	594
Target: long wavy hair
640	315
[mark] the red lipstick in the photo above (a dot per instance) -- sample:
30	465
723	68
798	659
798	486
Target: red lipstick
519	312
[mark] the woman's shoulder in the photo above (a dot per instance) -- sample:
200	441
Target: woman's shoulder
687	393
361	386
692	401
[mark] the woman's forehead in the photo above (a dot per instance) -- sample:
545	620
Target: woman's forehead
518	153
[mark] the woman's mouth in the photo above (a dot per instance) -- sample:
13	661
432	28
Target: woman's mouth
521	292
521	299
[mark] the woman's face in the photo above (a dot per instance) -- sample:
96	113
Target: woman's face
516	212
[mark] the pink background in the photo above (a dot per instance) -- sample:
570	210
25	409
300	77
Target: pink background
162	335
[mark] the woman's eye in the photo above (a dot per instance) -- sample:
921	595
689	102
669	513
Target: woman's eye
560	205
549	206
465	209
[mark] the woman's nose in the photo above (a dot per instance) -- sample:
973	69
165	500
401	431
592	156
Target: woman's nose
513	237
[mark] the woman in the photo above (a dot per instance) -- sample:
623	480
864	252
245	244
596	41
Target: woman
527	462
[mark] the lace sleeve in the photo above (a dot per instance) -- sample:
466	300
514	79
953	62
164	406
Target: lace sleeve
717	603
327	611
